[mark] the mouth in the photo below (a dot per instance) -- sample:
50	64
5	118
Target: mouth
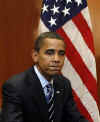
55	68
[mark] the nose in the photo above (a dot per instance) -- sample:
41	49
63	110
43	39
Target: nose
56	58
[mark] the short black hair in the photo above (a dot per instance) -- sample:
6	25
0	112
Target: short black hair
39	41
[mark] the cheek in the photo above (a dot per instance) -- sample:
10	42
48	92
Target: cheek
43	61
62	59
62	62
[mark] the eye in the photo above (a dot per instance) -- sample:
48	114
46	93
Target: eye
49	52
61	52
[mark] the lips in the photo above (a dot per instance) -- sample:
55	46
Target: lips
55	68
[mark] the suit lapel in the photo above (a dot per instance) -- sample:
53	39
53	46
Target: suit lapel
38	95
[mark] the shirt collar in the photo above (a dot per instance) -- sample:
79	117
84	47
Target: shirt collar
42	79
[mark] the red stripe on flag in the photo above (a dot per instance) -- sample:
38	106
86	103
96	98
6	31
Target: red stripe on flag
78	64
84	29
81	107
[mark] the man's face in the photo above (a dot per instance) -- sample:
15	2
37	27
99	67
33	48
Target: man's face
50	57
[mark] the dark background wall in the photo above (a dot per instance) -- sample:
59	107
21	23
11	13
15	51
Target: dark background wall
18	28
94	7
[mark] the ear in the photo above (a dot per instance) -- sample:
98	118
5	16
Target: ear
34	56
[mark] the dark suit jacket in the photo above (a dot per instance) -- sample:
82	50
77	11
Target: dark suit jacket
24	100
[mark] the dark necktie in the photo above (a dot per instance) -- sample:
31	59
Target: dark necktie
50	101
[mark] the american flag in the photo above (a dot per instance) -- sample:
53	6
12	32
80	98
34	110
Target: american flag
70	19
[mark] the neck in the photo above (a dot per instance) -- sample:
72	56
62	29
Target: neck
47	77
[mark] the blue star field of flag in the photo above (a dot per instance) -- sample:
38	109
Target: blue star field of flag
56	13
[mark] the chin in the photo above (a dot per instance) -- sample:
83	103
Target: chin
55	73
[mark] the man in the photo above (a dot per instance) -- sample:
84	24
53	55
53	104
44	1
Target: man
26	96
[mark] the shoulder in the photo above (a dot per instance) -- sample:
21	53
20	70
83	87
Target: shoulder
18	80
63	81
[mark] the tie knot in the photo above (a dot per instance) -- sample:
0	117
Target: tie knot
49	85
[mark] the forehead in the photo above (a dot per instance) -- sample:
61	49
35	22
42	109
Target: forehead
53	43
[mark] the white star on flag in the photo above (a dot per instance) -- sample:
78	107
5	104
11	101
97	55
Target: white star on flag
55	9
52	21
78	2
56	1
45	8
66	11
69	1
